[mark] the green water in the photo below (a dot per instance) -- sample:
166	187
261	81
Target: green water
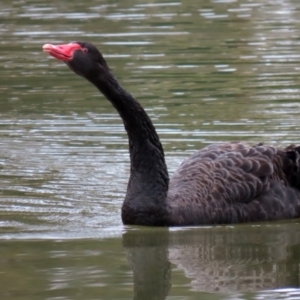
205	71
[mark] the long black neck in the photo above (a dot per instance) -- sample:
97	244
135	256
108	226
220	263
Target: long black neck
145	201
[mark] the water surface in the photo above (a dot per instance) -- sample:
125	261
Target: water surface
205	72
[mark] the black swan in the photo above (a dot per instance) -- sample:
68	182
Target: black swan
222	183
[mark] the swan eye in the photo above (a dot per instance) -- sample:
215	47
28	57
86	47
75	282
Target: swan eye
85	50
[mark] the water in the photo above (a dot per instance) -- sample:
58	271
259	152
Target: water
205	72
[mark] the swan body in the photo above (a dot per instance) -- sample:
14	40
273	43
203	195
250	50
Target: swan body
220	184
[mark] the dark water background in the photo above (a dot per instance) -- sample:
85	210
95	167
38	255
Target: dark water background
206	71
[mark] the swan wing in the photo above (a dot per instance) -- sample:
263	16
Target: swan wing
235	182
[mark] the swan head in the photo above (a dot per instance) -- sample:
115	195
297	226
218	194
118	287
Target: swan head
82	58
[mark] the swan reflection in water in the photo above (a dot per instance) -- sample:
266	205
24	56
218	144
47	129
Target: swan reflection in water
221	260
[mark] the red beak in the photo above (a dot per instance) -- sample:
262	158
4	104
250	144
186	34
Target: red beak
62	52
